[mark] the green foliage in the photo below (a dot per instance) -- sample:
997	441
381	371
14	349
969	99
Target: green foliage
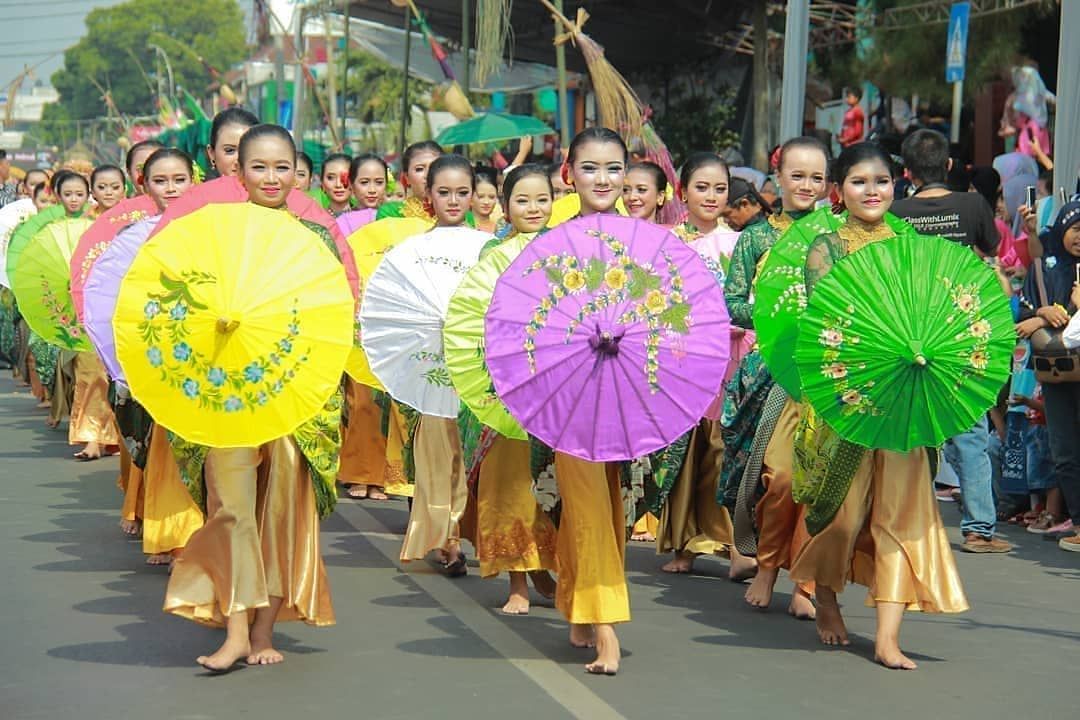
376	88
114	54
912	60
694	120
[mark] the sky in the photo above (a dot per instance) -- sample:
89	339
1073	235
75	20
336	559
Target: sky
37	32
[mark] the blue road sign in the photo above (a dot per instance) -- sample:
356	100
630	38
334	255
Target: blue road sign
956	52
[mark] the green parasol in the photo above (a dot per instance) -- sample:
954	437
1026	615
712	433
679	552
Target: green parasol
780	296
780	292
492	127
463	338
41	279
22	235
905	343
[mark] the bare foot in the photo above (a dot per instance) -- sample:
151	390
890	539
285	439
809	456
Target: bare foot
830	623
582	636
682	563
159	559
759	594
227	655
801	607
888	653
44	405
263	652
647	537
376	493
608	652
130	527
516	605
358	492
92	451
742	567
51	423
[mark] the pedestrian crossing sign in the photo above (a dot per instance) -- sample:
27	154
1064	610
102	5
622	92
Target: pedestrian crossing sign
956	50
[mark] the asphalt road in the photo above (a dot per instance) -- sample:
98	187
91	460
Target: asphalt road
82	634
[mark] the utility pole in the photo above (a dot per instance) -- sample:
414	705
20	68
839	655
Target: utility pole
405	90
345	75
466	40
560	71
298	79
331	74
760	87
793	92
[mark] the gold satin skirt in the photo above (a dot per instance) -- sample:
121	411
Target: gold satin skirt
888	536
591	544
441	492
512	533
691	519
647	524
780	521
394	480
39	391
170	516
260	540
92	417
363	446
131	483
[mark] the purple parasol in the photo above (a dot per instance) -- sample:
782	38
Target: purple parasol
607	338
353	220
103	286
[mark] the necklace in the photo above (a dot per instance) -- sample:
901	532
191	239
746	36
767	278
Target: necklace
856	234
780	222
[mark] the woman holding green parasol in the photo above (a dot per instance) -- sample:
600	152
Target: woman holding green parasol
759	414
887	533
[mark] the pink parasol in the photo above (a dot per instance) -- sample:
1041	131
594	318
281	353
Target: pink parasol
95	240
229	190
607	338
353	220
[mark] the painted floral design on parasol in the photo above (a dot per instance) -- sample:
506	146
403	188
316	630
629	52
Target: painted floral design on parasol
607	338
905	343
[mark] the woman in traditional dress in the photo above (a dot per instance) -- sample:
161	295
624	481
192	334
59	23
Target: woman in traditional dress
485	200
887	533
107	187
692	522
510	531
415	162
763	415
135	159
591	591
226	130
364	470
367	178
441	493
644	194
156	501
335	192
645	191
257	559
92	421
305	169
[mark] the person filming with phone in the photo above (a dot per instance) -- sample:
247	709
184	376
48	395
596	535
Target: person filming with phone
966	218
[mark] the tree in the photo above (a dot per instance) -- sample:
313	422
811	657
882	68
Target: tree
114	56
912	60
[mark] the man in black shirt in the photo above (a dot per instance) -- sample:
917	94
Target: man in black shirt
966	218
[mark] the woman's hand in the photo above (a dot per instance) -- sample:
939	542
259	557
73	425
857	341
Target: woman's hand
1028	327
1054	315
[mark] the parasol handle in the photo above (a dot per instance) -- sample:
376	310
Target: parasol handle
605	343
226	326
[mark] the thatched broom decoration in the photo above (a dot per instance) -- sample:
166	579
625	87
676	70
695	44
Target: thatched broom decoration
492	35
455	99
619	106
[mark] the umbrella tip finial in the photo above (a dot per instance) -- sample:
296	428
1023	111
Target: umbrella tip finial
920	360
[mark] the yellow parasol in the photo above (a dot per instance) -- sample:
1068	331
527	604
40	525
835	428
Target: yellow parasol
233	324
369	244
